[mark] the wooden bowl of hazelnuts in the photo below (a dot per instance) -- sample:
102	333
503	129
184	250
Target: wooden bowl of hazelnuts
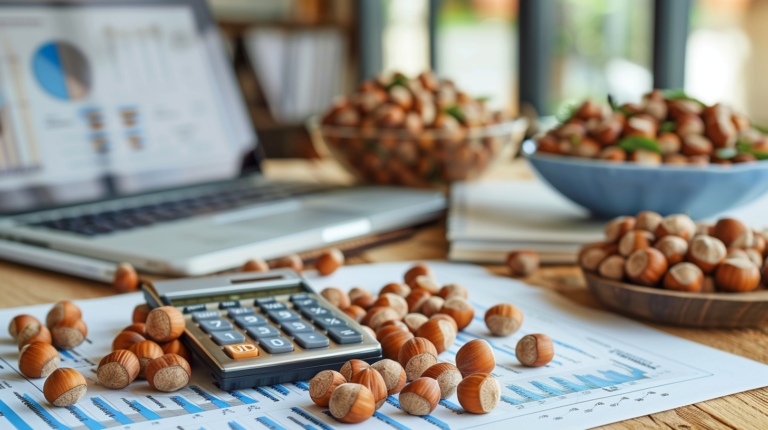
418	132
675	271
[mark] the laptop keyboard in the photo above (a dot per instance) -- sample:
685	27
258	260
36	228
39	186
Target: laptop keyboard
109	221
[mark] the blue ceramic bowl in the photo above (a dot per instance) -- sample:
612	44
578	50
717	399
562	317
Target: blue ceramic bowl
613	189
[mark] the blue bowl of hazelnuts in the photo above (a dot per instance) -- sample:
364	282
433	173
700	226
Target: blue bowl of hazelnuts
669	154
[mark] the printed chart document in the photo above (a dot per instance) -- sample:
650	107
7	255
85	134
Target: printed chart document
606	369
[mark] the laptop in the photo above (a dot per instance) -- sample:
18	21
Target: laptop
124	137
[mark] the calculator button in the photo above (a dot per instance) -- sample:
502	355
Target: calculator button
311	340
204	315
281	317
344	335
326	323
265	300
302	296
194	308
276	306
233	312
229	304
304	303
315	312
244	321
292	327
262	332
276	345
218	324
241	350
227	337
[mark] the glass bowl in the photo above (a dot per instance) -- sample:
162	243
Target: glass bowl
431	158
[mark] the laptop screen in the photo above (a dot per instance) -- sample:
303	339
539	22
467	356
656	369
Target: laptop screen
99	100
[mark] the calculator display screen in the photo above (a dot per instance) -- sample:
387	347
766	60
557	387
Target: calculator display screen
255	294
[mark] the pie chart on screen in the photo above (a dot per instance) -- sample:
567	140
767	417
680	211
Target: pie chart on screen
62	71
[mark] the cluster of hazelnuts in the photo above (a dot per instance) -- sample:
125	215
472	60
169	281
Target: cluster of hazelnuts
679	254
682	131
327	263
415	322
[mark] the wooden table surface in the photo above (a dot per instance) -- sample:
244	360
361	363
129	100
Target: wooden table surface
22	286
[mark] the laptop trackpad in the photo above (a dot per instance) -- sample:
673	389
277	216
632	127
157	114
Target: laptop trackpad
275	226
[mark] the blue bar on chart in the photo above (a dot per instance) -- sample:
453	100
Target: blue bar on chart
11	416
389	421
85	419
41	412
110	411
280	389
243	398
211	398
309	417
451	406
189	407
235	426
268	423
148	414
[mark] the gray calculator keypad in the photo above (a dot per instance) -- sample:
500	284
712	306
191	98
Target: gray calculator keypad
215	324
227	337
204	315
326	323
276	345
262	332
345	335
245	321
311	340
283	316
233	312
292	327
313	312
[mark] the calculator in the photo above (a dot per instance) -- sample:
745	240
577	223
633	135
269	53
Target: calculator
254	329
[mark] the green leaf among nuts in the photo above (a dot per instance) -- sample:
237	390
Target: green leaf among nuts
633	143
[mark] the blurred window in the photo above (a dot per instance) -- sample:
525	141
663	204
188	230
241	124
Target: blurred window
406	36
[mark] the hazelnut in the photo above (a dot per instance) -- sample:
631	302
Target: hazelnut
607	132
759	243
118	369
522	263
425	282
364	301
453	290
479	393
165	324
351	367
535	350
33	333
684	277
699	160
139	328
352	403
395	288
392	373
503	319
616	228
720	129
393	301
447	376
125	339
648	220
292	261
146	351
178	348
670	143
674	248
645	157
586	148
355	312
357	292
641	125
378	315
62	310
737	253
329	261
589	109
416	299
419	269
572	129
704	228
420	397
733	233
432	306
338	298
20	322
441	316
706	252
460	310
168	373
613	153
416	356
694	145
755	257
372	379
678	159
391	327
475	356
255	265
634	240
64	387
646	266
737	275
676	225
683	106
612	267
126	278
69	333
322	386
591	256
414	321
655	106
689	124
441	333
370	332
392	343
38	360
140	313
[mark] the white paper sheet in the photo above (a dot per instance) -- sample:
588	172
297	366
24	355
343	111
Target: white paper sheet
606	369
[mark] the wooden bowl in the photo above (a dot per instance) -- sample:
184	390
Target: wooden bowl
681	308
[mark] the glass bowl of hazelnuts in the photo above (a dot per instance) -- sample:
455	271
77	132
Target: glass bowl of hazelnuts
669	154
419	132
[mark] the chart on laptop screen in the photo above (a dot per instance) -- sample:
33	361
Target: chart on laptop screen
89	90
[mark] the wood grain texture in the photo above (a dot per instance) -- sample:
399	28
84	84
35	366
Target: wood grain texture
709	310
22	286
